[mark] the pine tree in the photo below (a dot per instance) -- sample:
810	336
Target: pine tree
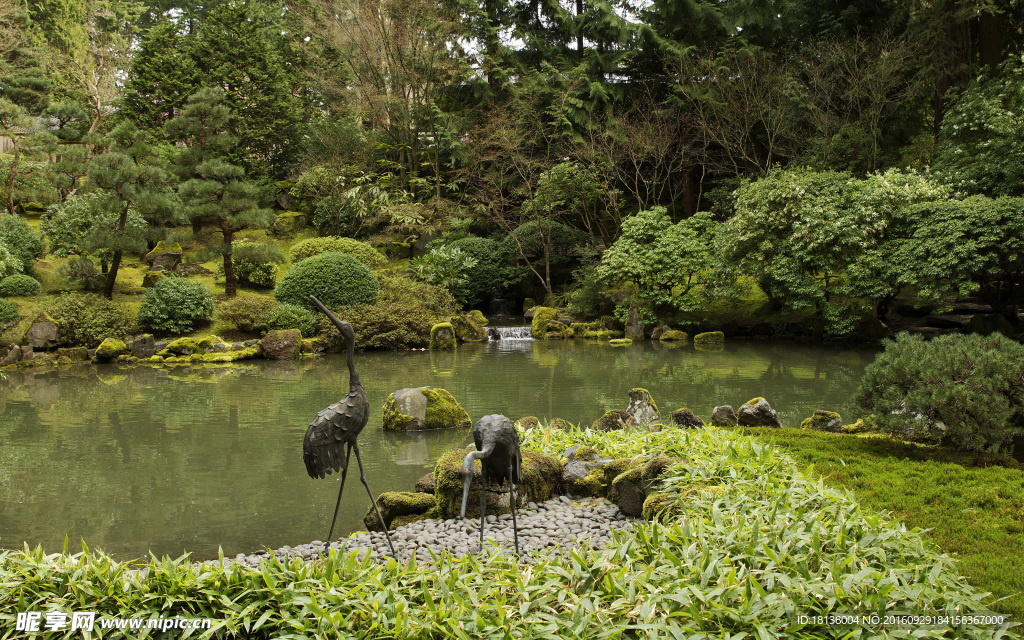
131	175
213	188
163	75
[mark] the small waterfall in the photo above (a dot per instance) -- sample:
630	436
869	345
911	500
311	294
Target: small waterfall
515	333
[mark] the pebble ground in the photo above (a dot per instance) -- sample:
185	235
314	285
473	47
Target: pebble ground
560	523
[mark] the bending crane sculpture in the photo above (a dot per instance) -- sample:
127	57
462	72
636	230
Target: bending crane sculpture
337	427
497	444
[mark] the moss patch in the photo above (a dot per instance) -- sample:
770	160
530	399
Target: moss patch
527	423
395	420
709	337
542	318
110	348
674	335
660	506
620	342
444	411
478	317
442	336
612	420
397	503
467	329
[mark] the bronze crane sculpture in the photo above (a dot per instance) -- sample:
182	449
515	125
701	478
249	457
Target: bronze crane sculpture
337	427
497	444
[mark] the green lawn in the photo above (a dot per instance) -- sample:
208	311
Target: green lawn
973	506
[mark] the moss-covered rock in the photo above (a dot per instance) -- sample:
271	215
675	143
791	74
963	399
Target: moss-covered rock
630	488
467	329
823	420
686	419
598	334
527	423
110	348
709	337
613	420
723	416
394	504
660	506
478	317
42	333
673	335
426	484
423	408
584	477
151	278
282	344
542	318
227	356
863	425
620	342
558	423
289	223
187	346
442	336
642	407
165	255
758	413
542	475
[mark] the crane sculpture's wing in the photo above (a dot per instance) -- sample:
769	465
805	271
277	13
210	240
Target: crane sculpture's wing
323	449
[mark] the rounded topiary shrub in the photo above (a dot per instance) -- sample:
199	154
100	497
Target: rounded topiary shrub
86	319
292	316
961	390
21	240
19	285
336	279
175	305
316	246
8	312
248	312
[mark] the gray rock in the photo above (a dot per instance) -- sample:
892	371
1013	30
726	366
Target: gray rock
43	334
143	346
282	344
642	408
723	416
759	415
13	355
635	325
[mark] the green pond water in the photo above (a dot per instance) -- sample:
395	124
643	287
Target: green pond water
169	460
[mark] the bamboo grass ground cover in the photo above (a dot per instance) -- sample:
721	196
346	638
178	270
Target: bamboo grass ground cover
747	561
971	505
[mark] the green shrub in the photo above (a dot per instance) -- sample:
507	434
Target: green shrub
292	316
247	311
401	317
9	262
19	285
316	246
8	312
76	269
255	263
336	279
962	390
175	305
86	319
21	240
491	276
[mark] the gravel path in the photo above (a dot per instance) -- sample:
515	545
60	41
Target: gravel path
543	528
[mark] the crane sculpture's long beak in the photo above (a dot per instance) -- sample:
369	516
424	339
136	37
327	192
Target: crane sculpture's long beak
467	477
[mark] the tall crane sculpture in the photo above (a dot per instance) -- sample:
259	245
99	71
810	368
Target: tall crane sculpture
497	444
337	427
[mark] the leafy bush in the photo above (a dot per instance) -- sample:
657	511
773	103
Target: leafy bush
255	263
86	319
20	285
76	269
292	316
9	262
82	226
336	279
247	311
963	390
8	312
447	267
401	317
21	240
175	305
315	246
491	276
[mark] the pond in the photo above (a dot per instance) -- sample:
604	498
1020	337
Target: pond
169	460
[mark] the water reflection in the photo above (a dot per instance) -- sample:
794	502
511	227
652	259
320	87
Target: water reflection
183	459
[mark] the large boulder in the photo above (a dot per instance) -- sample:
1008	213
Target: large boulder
110	348
988	323
673	335
758	413
823	421
635	324
723	416
642	408
467	329
394	504
549	324
282	344
542	475
423	408
143	346
44	333
442	336
166	256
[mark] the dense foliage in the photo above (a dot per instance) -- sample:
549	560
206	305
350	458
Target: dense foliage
8	312
292	316
255	263
964	391
401	317
175	306
756	545
359	250
19	238
19	285
336	279
86	319
247	311
491	276
9	263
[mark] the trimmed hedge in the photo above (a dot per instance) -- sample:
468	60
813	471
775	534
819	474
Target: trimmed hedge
359	250
336	279
24	243
8	312
86	319
19	285
175	305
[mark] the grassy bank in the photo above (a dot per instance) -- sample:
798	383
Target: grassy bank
754	546
972	506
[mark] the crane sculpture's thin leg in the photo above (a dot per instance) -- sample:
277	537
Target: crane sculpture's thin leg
483	504
344	472
512	506
362	477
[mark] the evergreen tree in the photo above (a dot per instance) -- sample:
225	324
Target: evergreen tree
163	75
131	175
212	187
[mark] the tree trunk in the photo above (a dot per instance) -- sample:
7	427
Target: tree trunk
115	264
10	181
990	41
230	281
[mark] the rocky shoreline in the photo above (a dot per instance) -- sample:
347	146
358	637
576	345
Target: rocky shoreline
554	526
